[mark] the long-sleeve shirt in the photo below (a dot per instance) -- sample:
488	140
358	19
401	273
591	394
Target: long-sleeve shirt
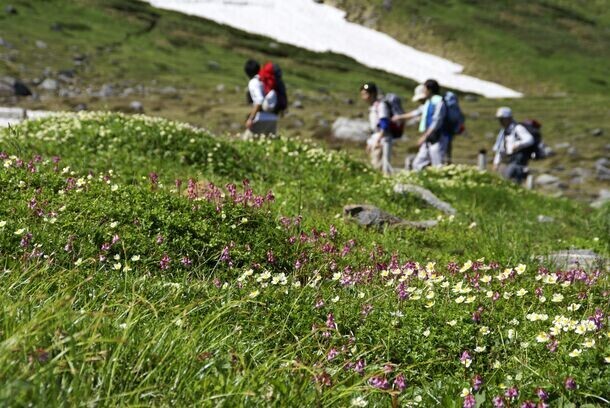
510	140
433	117
379	117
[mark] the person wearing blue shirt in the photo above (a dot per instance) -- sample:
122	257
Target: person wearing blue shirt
435	140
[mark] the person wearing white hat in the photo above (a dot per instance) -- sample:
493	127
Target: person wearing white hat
512	146
419	96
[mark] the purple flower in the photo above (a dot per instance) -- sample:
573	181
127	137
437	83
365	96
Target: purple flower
270	257
359	366
164	262
159	240
570	383
26	240
528	404
105	246
498	402
323	379
465	357
542	394
512	393
186	261
192	189
319	303
330	321
178	184
154	179
366	309
115	239
477	382
379	382
400	383
332	354
469	401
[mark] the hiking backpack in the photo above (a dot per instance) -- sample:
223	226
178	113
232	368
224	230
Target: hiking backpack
534	127
394	104
271	77
455	120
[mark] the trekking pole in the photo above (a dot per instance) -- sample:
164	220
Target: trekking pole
482	160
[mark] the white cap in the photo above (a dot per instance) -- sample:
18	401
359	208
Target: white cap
504	112
419	93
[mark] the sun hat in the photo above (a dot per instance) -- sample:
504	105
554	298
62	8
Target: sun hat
504	112
419	93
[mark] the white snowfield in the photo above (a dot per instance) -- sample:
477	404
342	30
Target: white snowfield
321	28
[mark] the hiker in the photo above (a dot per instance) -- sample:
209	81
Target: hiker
262	119
513	145
379	144
419	96
434	142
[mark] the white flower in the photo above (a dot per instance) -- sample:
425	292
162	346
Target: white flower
460	299
484	330
20	231
485	279
337	276
472	225
520	269
78	261
253	294
557	297
575	353
497	364
135	258
550	279
465	392
470	299
117	257
359	402
542	337
2	224
466	266
426	332
607	360
480	349
361	295
126	268
123	326
511	334
574	307
335	299
589	343
452	322
114	224
117	266
521	292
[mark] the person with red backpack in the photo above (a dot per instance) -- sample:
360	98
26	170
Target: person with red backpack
267	94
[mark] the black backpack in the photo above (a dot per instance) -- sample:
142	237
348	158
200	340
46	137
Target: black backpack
536	151
394	104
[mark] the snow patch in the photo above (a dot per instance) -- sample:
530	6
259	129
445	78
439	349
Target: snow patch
322	28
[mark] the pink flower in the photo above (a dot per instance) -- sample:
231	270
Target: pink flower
164	262
400	383
570	383
379	382
332	354
469	401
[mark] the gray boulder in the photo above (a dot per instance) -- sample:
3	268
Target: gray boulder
597	132
547	180
425	195
49	84
136	106
372	217
106	91
41	44
353	130
602	169
574	257
603	198
543	219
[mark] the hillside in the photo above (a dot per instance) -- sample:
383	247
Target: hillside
126	56
141	268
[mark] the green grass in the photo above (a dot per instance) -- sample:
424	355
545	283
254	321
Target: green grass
99	309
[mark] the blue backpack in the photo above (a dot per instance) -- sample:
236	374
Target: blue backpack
455	120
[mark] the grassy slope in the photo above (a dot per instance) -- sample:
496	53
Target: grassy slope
539	47
89	332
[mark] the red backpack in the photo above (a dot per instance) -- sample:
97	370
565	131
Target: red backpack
271	77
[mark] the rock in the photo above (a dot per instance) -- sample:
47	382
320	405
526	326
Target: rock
106	91
490	135
128	92
297	124
41	44
49	84
235	127
547	180
603	198
168	90
220	88
371	216
213	65
6	88
79	59
471	98
349	101
323	124
67	93
563	145
66	75
545	219
318	1
136	106
10	9
298	104
572	151
425	195
597	132
474	115
574	258
80	107
387	5
273	45
353	130
602	169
